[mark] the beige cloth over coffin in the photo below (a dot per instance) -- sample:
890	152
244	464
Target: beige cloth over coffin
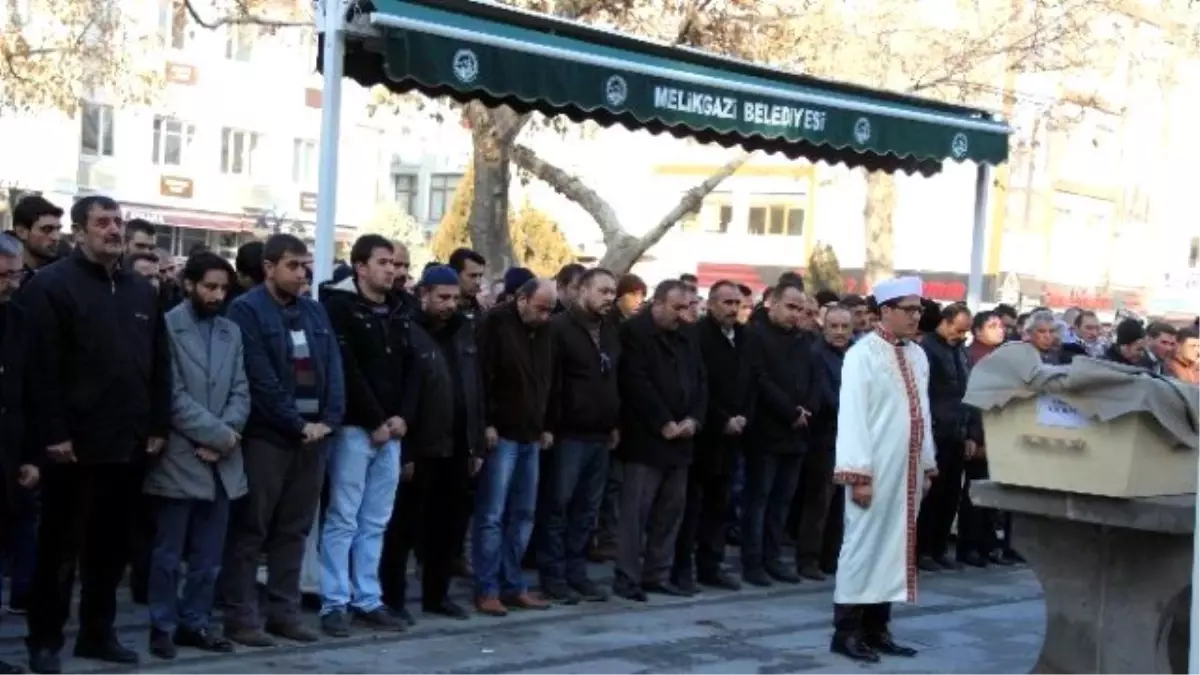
1100	389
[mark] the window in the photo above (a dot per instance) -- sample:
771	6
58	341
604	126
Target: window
238	151
714	216
97	136
172	141
404	190
239	41
304	161
775	218
174	22
441	193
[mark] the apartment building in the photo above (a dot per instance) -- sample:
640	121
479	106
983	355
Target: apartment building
227	152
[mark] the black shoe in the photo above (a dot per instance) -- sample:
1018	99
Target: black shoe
404	615
447	608
997	558
311	601
336	624
928	564
756	577
18	604
589	591
381	619
629	591
667	588
559	592
7	668
107	650
161	644
292	630
946	562
687	585
203	639
884	644
719	579
809	569
973	559
853	647
1014	557
782	574
45	661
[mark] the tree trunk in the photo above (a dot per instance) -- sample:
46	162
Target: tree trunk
877	216
488	223
493	134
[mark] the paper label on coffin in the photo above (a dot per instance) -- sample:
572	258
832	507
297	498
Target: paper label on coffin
1055	412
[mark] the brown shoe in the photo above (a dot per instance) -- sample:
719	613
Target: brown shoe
490	605
526	600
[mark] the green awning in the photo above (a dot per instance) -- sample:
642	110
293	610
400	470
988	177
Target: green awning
470	50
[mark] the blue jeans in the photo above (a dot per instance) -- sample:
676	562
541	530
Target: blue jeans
198	527
505	503
573	490
363	479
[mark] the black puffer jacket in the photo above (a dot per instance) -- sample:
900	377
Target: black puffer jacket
449	417
378	360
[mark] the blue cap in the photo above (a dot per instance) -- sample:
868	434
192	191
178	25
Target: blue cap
515	278
439	275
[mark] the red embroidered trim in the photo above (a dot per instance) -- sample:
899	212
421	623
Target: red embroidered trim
916	437
851	478
887	335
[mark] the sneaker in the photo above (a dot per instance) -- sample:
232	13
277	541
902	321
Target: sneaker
589	591
381	619
559	591
336	623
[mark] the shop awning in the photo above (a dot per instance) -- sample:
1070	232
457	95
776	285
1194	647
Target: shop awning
470	50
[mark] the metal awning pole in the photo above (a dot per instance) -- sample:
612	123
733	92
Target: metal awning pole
334	20
983	184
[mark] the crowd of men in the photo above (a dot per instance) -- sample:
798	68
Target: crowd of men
186	424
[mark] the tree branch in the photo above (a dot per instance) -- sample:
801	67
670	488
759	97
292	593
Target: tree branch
572	188
693	198
243	17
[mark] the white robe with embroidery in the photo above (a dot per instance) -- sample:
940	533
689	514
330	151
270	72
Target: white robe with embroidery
876	445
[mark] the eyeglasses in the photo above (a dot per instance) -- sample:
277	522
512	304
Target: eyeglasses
911	310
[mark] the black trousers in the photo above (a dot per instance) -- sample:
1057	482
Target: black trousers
85	520
143	524
835	526
705	524
274	518
976	526
427	519
815	495
940	504
862	619
771	481
653	499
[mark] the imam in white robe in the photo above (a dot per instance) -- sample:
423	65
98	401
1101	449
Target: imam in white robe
884	439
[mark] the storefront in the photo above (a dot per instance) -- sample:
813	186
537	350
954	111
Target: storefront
179	231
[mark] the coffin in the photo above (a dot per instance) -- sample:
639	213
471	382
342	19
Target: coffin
1045	442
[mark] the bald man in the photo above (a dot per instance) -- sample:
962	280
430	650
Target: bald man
515	357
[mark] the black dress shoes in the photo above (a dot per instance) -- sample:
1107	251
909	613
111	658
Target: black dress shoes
973	559
106	650
884	644
45	661
447	608
853	647
719	579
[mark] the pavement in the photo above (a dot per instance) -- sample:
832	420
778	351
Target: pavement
975	621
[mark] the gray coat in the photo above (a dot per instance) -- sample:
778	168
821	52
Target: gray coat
210	400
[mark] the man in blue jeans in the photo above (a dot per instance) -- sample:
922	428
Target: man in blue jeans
380	369
583	415
516	360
